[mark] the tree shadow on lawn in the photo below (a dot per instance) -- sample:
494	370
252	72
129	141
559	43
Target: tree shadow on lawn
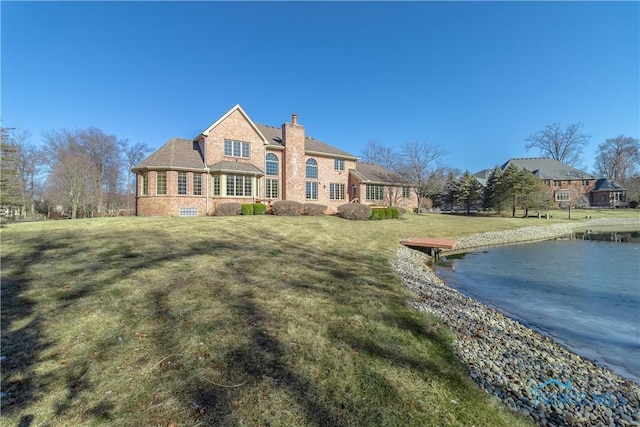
21	346
256	360
328	273
24	346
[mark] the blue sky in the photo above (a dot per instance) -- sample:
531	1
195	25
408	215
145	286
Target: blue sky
476	78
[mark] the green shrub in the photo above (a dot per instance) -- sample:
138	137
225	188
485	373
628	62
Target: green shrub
287	208
377	214
259	208
314	209
228	209
247	209
394	212
387	213
354	211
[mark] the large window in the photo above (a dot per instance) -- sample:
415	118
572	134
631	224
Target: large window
272	165
145	184
161	182
562	196
375	192
216	185
271	188
336	191
312	169
338	164
182	183
239	185
236	148
197	184
312	190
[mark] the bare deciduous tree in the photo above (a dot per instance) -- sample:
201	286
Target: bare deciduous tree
102	151
618	158
420	163
132	155
379	154
72	184
564	145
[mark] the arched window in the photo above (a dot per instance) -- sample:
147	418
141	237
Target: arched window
272	164
312	169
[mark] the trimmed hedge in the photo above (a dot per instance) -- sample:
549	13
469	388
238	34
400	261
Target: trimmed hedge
247	209
386	213
354	211
287	208
377	214
259	208
314	209
228	209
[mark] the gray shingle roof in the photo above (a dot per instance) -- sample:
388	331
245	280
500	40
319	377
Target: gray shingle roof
369	172
177	153
273	134
604	184
274	137
548	168
235	167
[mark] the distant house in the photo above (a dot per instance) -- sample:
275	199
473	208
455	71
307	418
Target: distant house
238	160
565	183
607	193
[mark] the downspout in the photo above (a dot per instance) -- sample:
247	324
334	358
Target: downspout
206	212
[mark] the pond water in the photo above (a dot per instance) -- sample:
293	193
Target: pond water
583	291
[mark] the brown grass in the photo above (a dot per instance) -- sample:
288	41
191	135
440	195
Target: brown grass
258	320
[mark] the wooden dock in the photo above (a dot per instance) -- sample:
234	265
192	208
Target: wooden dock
432	247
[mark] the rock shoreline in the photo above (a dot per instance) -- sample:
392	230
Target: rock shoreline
517	365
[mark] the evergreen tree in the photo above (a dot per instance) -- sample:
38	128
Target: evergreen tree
494	199
534	195
468	192
510	187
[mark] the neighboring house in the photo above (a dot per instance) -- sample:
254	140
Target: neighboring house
608	194
237	160
564	183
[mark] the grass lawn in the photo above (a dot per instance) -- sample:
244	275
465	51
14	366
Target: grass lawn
230	321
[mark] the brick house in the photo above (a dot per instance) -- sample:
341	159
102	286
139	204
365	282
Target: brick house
564	183
608	194
238	160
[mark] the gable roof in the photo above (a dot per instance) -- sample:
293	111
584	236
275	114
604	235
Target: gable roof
376	174
604	184
177	153
548	168
239	109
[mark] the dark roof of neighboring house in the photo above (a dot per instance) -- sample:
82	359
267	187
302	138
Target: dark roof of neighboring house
371	173
177	153
483	174
604	184
274	137
241	167
548	168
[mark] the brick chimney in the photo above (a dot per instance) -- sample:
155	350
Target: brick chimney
294	164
